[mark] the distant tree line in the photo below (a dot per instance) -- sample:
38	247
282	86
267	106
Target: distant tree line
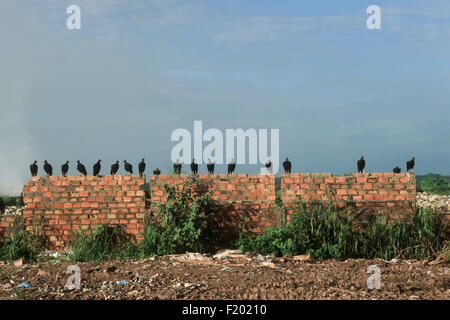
433	183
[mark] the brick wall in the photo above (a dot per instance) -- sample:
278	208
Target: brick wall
368	192
74	203
5	221
240	200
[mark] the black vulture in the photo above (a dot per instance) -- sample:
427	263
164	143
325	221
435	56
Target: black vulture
128	167
81	168
210	167
194	167
287	166
231	167
34	169
177	167
96	168
48	168
410	164
361	163
65	168
141	168
115	168
396	170
268	166
157	172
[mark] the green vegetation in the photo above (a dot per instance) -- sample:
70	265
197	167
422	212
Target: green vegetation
326	233
20	242
433	183
12	201
277	183
106	242
184	223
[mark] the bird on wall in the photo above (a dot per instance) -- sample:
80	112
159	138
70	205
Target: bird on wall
48	168
231	166
287	166
81	168
361	164
396	170
128	167
141	168
115	168
157	172
268	166
96	168
65	168
210	167
410	165
194	167
177	167
34	169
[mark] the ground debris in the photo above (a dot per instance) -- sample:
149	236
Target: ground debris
196	276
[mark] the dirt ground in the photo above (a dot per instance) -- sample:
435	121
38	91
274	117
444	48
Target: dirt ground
227	276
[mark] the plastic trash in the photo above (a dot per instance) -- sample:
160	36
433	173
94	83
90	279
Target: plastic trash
24	285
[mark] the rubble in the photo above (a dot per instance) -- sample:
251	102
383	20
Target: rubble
204	277
433	201
13	210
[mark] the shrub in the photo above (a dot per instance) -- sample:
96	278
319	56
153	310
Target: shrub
106	242
9	201
184	223
327	233
276	241
22	243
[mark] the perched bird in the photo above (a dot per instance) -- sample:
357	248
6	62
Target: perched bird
194	167
231	167
114	168
396	170
410	165
65	168
361	163
287	166
81	168
128	167
96	168
48	168
141	168
210	167
157	172
269	166
177	167
34	169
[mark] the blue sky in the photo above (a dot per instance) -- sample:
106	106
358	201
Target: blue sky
138	70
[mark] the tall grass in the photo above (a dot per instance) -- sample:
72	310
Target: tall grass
106	242
327	233
21	243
